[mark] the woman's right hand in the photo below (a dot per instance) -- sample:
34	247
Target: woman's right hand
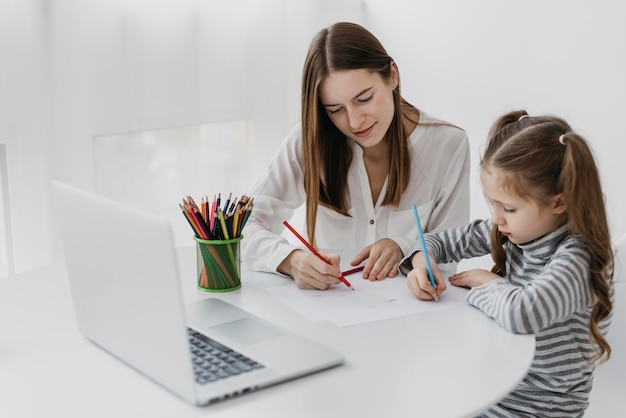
309	272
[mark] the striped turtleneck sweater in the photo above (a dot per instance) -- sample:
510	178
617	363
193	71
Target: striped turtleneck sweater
547	292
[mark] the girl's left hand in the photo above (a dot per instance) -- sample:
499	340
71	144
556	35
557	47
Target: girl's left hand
383	258
472	278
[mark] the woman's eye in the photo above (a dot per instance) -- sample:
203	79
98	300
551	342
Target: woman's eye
367	99
333	111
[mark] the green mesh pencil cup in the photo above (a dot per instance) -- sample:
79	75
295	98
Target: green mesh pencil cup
218	264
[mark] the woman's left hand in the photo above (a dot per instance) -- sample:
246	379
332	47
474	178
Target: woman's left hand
382	257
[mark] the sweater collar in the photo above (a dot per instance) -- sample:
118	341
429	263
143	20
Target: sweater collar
545	247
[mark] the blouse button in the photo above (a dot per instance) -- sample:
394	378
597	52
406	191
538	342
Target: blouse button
371	222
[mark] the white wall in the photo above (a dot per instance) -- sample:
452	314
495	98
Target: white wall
471	61
71	70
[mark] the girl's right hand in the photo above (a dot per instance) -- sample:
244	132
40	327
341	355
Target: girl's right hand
417	279
309	272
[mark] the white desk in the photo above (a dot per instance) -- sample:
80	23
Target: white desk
450	363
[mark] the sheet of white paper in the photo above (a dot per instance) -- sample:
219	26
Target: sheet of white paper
369	302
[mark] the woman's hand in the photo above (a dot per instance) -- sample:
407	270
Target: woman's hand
472	278
309	272
382	257
418	282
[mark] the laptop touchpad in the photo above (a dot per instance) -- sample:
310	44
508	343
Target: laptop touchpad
246	331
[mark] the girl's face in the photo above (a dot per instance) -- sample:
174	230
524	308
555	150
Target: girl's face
520	219
360	104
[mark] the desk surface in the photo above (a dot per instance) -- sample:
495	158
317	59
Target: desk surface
449	363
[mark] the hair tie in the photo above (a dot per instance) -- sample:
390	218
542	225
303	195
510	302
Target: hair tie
522	117
562	139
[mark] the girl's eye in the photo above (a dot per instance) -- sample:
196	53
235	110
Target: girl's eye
509	210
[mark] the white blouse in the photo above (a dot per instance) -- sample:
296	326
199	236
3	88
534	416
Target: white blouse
439	187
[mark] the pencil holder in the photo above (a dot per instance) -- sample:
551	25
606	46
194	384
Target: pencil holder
218	264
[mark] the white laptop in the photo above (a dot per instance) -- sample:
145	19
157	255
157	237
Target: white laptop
124	281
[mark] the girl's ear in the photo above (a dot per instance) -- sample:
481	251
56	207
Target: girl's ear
560	205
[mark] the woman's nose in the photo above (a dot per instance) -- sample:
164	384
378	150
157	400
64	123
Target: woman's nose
355	118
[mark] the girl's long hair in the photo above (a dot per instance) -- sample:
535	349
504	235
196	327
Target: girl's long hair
542	157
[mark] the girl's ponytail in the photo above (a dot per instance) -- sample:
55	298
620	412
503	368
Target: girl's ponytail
580	183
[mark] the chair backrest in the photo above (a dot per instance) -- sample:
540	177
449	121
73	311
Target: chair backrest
609	387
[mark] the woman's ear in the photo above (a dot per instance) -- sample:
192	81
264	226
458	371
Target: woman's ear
560	205
395	76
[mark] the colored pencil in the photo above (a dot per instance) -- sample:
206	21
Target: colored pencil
235	226
212	214
431	278
225	210
352	271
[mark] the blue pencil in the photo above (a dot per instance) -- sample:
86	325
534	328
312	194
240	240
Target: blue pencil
431	277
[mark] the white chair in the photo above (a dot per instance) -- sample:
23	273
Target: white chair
608	396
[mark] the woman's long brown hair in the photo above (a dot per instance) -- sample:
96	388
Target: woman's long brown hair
327	153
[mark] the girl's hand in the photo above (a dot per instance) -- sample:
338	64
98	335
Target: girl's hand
383	258
418	282
309	272
472	278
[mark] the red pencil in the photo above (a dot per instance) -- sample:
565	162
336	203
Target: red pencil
352	271
314	251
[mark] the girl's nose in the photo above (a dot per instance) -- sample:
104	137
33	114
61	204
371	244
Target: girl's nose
496	217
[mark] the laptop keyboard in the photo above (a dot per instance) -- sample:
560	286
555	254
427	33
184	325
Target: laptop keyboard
213	361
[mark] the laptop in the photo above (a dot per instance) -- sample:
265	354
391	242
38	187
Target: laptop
124	282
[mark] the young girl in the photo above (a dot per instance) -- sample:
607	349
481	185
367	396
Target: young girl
549	239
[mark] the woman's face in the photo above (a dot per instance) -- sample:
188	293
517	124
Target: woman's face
360	104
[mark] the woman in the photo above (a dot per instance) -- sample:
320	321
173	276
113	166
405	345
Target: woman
359	159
